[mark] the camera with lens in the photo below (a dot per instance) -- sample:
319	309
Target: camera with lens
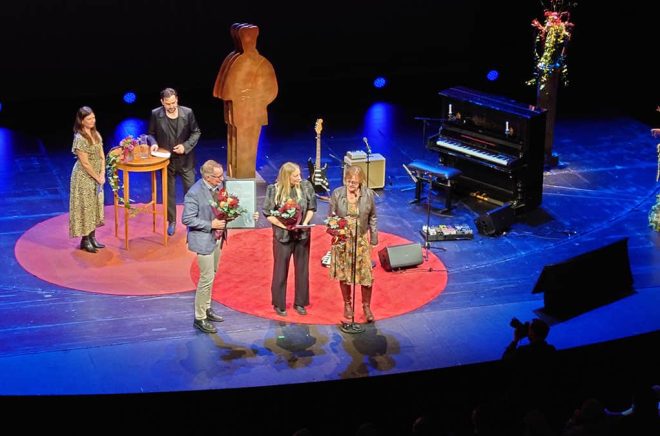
520	328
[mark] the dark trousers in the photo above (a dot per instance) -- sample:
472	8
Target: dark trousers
188	177
282	252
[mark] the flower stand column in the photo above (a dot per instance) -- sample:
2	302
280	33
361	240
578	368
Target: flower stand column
546	98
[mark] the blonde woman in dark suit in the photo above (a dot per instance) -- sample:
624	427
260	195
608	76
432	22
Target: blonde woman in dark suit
287	240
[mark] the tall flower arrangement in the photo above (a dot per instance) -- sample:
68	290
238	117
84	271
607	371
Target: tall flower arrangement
551	41
654	215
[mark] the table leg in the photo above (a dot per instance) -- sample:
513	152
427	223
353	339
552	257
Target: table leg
116	203
126	206
164	191
153	201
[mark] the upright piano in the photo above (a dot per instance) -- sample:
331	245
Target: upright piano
497	144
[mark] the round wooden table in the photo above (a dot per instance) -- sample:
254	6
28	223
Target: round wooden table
150	164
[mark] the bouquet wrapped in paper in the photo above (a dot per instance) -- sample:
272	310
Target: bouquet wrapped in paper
337	227
226	207
288	213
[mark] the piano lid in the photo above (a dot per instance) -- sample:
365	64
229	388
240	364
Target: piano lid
494	102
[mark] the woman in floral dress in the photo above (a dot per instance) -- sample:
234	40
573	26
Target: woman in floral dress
87	180
355	202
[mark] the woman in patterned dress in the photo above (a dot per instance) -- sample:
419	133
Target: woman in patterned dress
87	180
355	202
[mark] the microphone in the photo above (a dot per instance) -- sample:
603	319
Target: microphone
364	138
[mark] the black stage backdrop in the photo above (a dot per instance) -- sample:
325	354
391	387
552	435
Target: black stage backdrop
82	50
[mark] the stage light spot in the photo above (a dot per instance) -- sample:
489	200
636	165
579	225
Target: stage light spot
492	75
130	97
380	82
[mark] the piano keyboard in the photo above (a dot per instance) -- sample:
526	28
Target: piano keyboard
497	158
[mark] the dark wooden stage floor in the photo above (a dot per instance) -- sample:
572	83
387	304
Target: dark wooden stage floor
58	341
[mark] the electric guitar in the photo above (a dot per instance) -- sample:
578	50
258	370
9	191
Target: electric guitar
317	173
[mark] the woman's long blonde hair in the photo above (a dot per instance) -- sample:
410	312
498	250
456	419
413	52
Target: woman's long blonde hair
283	184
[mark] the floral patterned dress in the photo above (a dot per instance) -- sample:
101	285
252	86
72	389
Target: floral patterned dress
85	197
342	255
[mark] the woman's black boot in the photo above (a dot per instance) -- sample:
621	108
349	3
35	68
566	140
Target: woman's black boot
86	244
95	243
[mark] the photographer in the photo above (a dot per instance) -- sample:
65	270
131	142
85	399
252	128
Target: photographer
537	349
530	367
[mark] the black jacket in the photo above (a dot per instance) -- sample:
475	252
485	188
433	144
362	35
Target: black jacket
188	134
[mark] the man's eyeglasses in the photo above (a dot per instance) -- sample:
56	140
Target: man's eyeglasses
217	177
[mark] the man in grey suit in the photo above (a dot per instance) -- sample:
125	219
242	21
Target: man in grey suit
201	222
174	128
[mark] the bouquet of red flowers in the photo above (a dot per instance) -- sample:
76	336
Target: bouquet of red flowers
337	227
226	207
288	213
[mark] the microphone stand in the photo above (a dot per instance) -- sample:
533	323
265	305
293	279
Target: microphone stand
427	244
353	327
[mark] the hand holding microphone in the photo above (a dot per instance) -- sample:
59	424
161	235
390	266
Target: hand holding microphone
366	143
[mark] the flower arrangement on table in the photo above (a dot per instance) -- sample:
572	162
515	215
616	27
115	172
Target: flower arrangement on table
288	214
337	227
127	146
552	38
225	206
123	153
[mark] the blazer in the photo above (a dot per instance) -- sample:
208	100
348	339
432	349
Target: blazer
197	215
188	134
307	202
367	219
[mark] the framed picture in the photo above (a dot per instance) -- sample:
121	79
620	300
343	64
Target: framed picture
246	191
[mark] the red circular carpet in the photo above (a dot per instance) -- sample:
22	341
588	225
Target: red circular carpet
147	268
243	281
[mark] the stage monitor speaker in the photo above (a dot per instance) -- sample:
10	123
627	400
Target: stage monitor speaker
400	256
496	221
586	281
376	169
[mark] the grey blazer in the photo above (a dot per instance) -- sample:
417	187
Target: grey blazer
197	215
307	202
368	219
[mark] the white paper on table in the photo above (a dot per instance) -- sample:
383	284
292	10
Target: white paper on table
165	154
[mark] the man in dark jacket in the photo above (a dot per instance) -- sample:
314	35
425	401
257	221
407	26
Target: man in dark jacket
174	128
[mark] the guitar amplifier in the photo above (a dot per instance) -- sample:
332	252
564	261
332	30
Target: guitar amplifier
376	169
356	155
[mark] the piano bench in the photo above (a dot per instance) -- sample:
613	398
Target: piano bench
433	173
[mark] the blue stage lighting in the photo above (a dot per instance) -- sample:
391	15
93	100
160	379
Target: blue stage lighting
130	126
130	97
380	82
492	75
0	106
